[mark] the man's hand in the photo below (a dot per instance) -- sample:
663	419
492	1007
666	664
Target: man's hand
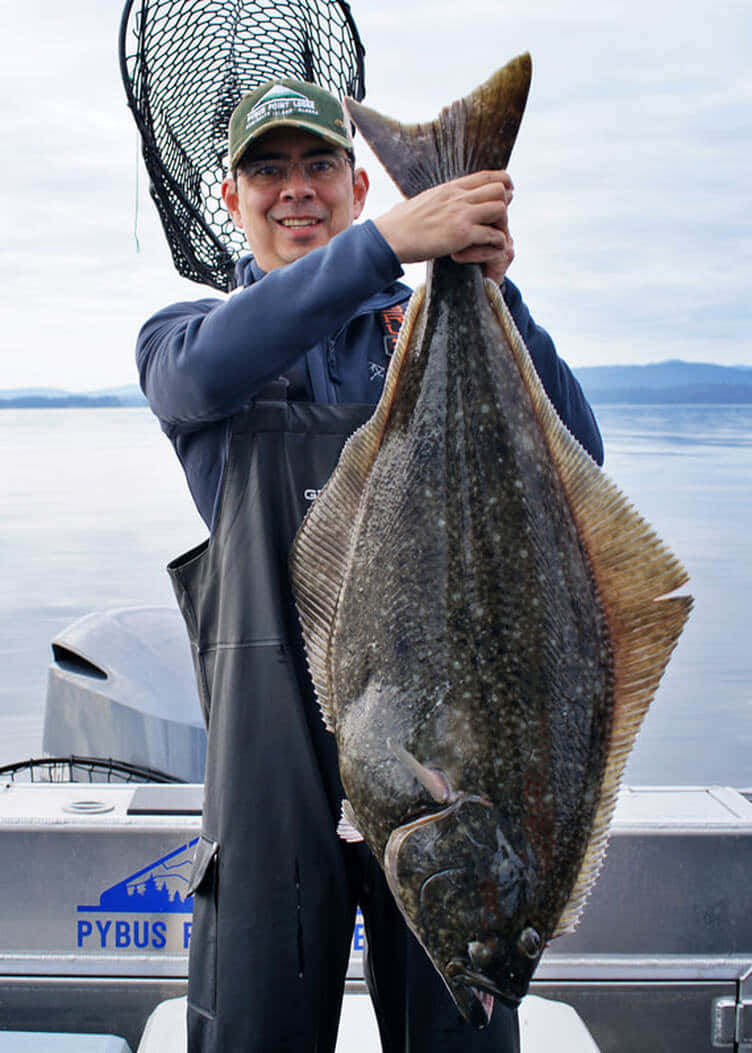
465	219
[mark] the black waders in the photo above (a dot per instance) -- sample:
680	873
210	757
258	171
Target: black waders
275	889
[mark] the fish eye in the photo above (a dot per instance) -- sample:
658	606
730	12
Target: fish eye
529	942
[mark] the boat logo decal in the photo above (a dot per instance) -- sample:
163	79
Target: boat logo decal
124	916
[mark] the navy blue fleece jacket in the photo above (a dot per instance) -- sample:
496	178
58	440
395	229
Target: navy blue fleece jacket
317	323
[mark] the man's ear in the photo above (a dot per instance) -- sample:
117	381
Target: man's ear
231	200
361	183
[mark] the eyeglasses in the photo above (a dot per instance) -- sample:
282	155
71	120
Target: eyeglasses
319	171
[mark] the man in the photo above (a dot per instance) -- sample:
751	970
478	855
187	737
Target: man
258	394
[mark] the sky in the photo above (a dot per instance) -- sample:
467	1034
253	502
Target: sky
631	220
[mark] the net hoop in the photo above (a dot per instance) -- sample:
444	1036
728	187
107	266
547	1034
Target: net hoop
185	64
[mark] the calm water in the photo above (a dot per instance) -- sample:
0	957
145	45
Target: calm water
94	505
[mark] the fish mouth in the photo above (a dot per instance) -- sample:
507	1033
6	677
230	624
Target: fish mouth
474	993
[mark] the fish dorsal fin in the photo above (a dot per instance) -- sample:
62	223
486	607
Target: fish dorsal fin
471	135
634	572
318	558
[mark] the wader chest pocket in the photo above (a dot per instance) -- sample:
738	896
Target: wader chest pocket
203	886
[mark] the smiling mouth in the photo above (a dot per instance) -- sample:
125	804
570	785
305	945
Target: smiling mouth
292	223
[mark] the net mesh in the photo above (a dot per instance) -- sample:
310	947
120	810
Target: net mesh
185	66
80	769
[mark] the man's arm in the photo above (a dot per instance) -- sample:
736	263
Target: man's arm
561	385
200	362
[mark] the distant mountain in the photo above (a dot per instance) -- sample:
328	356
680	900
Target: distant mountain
59	402
126	394
667	382
57	398
660	382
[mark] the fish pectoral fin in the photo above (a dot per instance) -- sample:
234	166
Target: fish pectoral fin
432	779
347	827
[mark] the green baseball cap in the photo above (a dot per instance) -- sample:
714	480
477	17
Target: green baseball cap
287	103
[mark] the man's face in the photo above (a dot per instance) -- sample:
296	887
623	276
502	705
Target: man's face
285	221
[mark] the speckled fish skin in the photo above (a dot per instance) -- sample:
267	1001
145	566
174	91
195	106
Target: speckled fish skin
487	657
486	616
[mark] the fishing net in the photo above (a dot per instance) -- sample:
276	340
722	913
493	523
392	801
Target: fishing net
185	65
80	769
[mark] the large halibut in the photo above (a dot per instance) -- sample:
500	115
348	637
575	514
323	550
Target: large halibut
486	617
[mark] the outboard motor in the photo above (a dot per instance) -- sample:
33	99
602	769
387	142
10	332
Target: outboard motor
121	685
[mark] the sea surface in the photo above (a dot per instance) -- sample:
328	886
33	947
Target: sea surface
94	504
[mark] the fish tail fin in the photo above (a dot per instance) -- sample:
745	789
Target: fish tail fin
474	134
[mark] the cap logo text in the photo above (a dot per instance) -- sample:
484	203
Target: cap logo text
280	102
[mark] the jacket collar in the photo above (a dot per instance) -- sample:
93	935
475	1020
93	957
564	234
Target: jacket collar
247	271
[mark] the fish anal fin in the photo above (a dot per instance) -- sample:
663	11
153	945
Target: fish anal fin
318	557
473	134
